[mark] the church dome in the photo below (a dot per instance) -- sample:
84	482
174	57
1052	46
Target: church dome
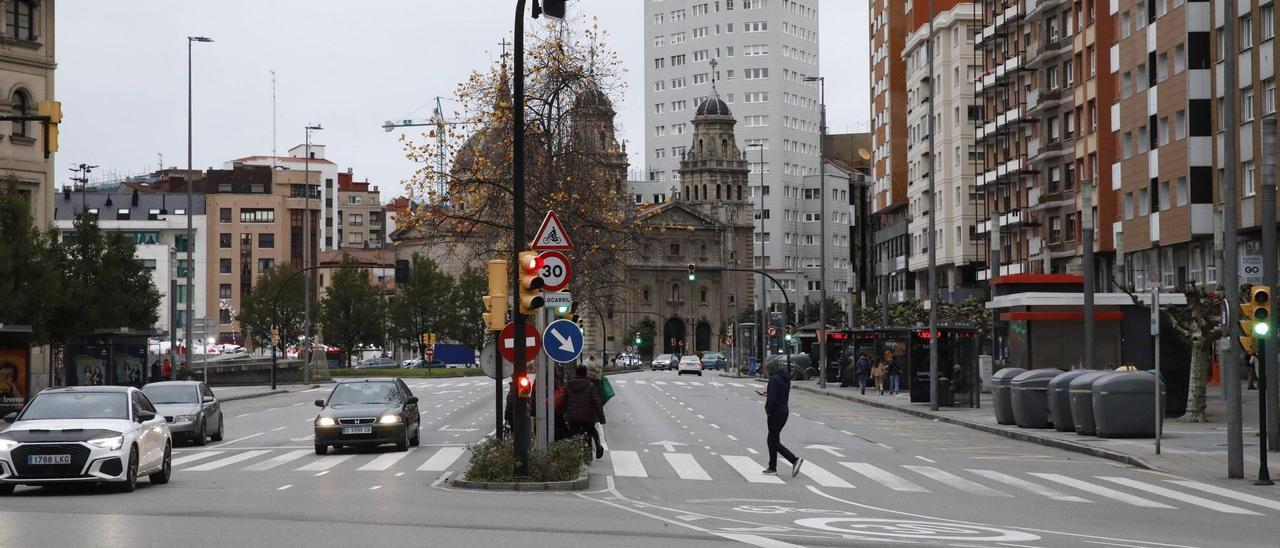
713	107
592	97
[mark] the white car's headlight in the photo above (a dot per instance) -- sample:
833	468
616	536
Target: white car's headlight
325	421
184	418
6	444
111	444
389	419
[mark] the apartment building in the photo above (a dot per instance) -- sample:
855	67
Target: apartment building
890	240
361	219
755	55
955	69
302	158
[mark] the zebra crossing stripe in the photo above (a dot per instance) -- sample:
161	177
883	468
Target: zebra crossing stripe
1101	491
695	383
1242	497
749	469
225	461
953	480
716	384
686	466
278	460
324	463
442	460
385	461
884	477
195	457
663	383
642	382
627	464
1182	497
1033	487
679	383
823	477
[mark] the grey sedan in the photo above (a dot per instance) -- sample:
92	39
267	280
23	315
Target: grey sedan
190	408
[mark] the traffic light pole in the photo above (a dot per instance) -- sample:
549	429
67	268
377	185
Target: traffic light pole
1264	474
1229	266
1268	202
519	415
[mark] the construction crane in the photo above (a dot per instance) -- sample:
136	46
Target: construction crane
438	121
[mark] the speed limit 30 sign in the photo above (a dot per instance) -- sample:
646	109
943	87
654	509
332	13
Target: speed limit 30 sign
555	272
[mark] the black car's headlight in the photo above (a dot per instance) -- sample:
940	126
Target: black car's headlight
325	421
389	418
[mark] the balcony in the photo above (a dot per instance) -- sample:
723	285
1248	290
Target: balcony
1042	53
1053	200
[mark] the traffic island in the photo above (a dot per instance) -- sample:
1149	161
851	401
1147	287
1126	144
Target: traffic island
560	467
580	484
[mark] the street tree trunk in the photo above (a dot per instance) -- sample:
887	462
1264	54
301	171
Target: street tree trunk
1200	364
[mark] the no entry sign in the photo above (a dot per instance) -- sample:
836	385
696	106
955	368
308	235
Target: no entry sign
507	342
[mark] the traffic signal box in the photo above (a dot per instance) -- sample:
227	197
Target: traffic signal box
495	303
524	387
1255	322
530	283
788	332
692	273
52	109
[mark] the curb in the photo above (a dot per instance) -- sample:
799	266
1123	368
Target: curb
580	484
253	395
1019	435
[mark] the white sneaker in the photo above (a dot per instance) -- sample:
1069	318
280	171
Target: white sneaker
795	468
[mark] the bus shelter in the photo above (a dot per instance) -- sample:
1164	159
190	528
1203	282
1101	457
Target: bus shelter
909	347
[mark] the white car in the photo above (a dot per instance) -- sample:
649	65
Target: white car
99	434
689	364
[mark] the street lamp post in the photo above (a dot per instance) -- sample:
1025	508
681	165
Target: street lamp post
822	221
1087	229
190	201
764	290
307	259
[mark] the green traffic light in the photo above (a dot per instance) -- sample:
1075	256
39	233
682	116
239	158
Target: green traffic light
1261	329
564	310
637	340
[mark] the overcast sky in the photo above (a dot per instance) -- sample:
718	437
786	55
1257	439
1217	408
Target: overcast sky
347	65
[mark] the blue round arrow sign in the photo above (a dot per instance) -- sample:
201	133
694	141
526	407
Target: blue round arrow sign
562	341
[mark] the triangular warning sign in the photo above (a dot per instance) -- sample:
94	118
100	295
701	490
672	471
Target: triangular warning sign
551	235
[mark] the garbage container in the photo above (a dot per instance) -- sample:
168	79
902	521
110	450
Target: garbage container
1001	395
1060	400
1080	395
946	398
1124	405
1031	398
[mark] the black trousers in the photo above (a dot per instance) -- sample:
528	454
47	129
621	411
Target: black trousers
588	428
776	422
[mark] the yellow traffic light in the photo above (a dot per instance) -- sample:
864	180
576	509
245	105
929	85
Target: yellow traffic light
530	282
52	109
1255	313
495	303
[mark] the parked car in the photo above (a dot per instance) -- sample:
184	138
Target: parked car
628	361
376	363
664	362
714	360
690	364
98	434
190	408
368	412
419	363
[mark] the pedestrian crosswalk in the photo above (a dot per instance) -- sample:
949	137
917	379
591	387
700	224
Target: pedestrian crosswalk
439	459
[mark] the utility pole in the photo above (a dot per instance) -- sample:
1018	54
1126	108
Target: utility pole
1086	228
1230	251
191	238
933	229
822	200
306	255
1268	201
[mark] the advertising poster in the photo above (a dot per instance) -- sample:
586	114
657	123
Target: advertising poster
130	365
15	368
88	365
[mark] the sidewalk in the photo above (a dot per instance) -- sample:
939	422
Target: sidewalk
1195	450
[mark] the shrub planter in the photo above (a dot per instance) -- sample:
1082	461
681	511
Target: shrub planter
583	482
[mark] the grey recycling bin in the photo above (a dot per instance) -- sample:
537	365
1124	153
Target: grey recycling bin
1080	394
1001	395
1060	402
1124	405
1031	398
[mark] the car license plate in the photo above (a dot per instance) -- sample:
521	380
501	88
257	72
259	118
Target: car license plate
357	430
49	459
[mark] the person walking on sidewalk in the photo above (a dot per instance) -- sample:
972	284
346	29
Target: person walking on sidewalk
894	370
877	374
777	396
583	409
863	370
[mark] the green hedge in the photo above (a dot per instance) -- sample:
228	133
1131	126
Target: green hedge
494	460
437	373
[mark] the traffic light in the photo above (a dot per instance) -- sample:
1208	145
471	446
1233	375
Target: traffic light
551	8
524	387
692	273
787	332
530	282
1255	320
638	339
495	303
52	109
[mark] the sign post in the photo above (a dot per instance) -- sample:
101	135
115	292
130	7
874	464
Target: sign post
1155	332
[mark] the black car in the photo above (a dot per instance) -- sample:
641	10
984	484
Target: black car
368	412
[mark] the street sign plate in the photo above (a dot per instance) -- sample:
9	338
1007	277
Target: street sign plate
562	341
555	272
551	235
507	342
1251	268
557	299
773	331
487	356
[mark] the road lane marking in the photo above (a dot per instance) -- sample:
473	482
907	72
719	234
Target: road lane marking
278	429
323	463
679	383
443	458
627	464
241	439
749	469
695	383
243	415
1101	491
303	438
283	487
663	383
278	460
686	466
1242	497
194	457
225	461
702	417
953	480
714	383
926	460
375	488
883	477
756	540
1179	496
321	473
752	451
642	382
385	461
823	477
731	437
1033	487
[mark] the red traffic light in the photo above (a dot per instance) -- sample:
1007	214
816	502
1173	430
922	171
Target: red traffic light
524	388
530	262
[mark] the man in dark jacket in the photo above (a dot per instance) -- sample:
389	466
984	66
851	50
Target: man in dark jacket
776	409
583	409
863	368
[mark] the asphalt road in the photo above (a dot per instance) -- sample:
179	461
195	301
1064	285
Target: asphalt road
683	469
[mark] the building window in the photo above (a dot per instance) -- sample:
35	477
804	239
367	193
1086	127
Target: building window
1269	97
224	266
21	106
1128	206
265	265
266	240
182	270
257	215
224	291
20	18
224	215
1250	178
1267	18
1246	104
224	240
1182	198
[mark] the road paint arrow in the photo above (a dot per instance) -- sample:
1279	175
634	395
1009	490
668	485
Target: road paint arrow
668	445
826	448
566	343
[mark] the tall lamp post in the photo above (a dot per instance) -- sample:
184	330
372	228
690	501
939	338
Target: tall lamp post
822	222
306	255
761	329
933	227
190	201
